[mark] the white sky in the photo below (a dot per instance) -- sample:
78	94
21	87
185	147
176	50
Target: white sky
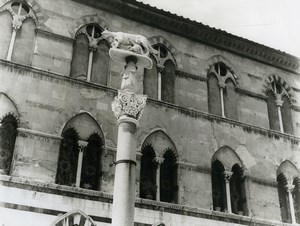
275	23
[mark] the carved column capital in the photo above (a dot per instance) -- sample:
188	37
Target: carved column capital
158	160
289	187
93	45
16	23
227	175
279	102
128	104
160	67
82	145
222	85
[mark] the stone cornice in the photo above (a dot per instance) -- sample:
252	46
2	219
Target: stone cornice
198	32
51	188
38	133
51	34
183	74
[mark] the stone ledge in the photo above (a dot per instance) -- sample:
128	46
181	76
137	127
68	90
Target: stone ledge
140	203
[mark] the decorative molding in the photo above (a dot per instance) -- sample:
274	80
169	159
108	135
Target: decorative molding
261	181
183	74
38	133
194	167
146	14
62	190
51	34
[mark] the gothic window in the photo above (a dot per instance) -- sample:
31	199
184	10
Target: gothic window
17	32
158	178
279	109
218	187
80	154
159	82
148	187
237	191
168	178
74	218
228	187
288	192
8	132
222	97
90	56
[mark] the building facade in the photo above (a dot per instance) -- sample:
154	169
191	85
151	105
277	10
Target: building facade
217	144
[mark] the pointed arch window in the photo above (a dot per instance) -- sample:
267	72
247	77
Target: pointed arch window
79	161
8	133
288	192
159	82
279	107
222	98
74	218
90	55
17	32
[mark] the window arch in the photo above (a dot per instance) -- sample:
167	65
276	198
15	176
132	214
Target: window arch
288	192
222	97
79	162
18	31
74	218
159	82
158	178
90	56
228	187
279	98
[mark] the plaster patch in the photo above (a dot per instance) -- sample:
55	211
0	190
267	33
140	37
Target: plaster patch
91	94
245	156
102	106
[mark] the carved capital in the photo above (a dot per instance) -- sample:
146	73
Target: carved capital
160	67
222	85
16	23
93	45
158	160
278	102
289	187
82	145
129	104
227	175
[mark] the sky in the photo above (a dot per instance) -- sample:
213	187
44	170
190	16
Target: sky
275	23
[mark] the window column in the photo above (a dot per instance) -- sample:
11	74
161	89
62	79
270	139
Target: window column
227	176
222	86
16	24
92	48
81	147
289	187
279	103
158	161
160	68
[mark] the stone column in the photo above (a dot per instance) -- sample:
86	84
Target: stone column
222	86
227	176
158	161
16	24
92	48
160	70
128	108
279	103
289	188
82	147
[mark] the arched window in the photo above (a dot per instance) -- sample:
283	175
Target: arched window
17	35
222	97
80	153
228	188
158	178
218	186
148	187
74	218
279	108
159	82
90	56
168	178
8	133
288	192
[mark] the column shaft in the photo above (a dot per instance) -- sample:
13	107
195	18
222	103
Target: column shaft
222	102
124	186
280	119
11	44
90	65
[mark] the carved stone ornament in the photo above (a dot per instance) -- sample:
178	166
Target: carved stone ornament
134	43
17	23
129	104
227	175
